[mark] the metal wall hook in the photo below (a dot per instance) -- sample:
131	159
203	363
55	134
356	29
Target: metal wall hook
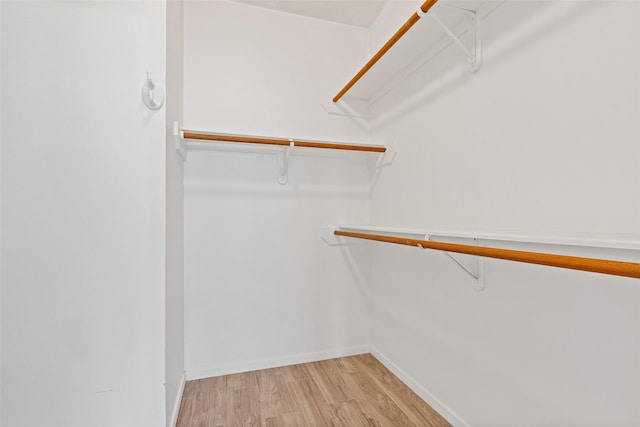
152	94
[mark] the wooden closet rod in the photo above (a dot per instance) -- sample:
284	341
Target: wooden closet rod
401	32
617	268
280	141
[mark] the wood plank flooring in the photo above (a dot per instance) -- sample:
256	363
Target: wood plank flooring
349	391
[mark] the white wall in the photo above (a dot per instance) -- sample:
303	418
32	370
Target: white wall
543	140
0	213
83	201
261	288
174	269
394	14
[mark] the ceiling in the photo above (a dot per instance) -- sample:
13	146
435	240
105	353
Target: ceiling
360	13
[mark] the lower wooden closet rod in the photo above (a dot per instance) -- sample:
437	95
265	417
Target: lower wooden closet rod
617	268
280	141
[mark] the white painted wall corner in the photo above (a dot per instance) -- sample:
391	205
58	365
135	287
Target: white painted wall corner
255	365
451	416
176	405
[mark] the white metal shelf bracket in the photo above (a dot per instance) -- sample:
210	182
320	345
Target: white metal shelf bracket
283	163
474	50
387	158
473	266
350	107
326	233
381	162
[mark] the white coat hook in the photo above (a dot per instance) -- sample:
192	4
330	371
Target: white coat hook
152	94
283	163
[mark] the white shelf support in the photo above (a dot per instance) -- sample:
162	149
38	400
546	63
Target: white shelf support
326	233
387	158
474	50
354	108
471	271
473	266
283	163
384	160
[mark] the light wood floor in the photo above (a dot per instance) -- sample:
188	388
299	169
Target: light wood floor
349	391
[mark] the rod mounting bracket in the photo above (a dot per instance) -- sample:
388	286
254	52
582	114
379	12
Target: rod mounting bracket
326	233
348	107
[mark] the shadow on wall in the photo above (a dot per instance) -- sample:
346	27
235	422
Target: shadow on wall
507	30
358	260
309	176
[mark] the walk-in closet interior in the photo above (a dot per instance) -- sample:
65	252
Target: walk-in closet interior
426	212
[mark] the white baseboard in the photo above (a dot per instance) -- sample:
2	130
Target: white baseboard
254	365
176	404
420	390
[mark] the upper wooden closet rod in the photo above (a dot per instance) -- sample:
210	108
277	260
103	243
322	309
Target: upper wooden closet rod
281	141
401	32
617	268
